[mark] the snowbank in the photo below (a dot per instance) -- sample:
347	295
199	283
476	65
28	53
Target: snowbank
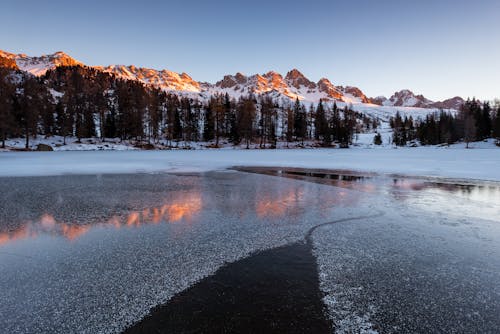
481	164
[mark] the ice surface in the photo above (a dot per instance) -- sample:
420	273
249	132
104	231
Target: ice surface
435	162
88	254
93	253
413	269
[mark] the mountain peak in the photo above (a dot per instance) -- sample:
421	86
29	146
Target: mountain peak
294	85
294	74
406	98
5	54
324	85
297	79
38	66
356	94
164	79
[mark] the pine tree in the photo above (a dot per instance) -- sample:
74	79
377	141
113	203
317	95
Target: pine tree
246	119
335	124
218	109
208	124
110	125
7	90
321	125
496	126
299	122
29	107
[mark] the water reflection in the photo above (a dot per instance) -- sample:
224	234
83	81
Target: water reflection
462	200
270	205
480	200
349	180
183	207
476	192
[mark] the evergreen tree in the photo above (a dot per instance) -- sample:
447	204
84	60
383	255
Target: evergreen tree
496	125
7	90
246	119
299	122
322	131
29	108
110	125
208	124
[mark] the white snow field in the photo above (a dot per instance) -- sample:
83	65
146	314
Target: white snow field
458	163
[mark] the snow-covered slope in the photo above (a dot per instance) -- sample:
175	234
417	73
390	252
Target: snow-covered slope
164	79
39	65
406	98
294	85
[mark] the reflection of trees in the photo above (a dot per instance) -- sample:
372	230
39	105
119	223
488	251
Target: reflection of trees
278	204
276	197
401	188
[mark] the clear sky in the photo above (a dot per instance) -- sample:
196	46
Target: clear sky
439	48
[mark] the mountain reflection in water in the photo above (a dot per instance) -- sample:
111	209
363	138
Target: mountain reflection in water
184	207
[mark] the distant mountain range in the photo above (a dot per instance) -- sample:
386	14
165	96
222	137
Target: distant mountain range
293	85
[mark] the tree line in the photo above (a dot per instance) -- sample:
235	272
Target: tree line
83	102
475	121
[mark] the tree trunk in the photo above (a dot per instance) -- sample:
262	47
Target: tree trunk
27	139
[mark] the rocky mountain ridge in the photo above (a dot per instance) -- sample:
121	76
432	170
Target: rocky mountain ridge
292	86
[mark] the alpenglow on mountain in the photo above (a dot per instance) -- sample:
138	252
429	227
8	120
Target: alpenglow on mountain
292	86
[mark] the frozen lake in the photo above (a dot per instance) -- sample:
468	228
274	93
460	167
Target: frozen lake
94	253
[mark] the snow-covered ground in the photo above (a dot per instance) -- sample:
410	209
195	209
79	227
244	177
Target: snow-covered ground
360	140
72	144
479	164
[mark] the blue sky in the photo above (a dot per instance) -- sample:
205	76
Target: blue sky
439	48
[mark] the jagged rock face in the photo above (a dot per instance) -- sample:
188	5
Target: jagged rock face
379	100
453	103
40	65
60	59
357	93
293	86
163	79
256	84
8	63
297	79
325	86
407	98
229	81
240	78
276	81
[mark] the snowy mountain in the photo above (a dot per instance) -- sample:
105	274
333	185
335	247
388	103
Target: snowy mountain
453	103
39	65
164	79
406	98
292	86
